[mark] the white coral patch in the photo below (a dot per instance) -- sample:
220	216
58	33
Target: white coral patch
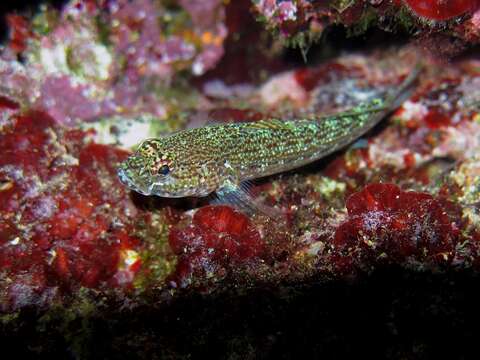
125	133
281	87
92	60
412	111
461	142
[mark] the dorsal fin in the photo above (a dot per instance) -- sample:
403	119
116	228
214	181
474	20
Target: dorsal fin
270	124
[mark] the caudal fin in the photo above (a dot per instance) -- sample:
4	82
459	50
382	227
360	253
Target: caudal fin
397	97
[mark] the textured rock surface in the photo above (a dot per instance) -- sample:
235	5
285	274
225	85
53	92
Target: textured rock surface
300	23
388	222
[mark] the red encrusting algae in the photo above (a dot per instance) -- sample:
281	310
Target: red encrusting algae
441	9
217	238
68	222
20	32
386	224
64	215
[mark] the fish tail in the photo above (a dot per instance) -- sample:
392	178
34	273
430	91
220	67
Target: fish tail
348	126
397	97
373	112
381	108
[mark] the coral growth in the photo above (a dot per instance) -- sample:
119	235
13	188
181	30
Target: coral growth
65	221
302	22
218	238
441	10
386	224
104	59
83	84
80	86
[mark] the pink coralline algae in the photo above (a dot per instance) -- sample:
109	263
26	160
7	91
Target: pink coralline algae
66	222
105	58
81	254
280	10
19	32
69	223
139	20
300	22
388	225
218	238
293	17
439	121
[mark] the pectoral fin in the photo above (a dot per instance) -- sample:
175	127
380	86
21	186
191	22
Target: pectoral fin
237	195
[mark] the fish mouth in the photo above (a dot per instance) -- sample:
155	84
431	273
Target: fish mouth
125	179
147	190
155	188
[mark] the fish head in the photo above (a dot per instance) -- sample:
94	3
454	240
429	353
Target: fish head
163	167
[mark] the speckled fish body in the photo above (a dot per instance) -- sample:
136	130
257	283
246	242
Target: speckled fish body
197	162
200	160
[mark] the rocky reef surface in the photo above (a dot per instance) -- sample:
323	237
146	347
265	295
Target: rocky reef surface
82	85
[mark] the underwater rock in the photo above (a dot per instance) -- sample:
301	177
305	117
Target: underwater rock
441	10
385	224
217	239
70	224
19	32
300	23
106	58
66	220
75	105
82	258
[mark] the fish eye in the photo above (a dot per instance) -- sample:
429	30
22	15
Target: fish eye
164	170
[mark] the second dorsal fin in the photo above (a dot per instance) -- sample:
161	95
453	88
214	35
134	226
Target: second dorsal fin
270	124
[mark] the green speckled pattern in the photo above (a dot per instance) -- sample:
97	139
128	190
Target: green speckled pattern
201	160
